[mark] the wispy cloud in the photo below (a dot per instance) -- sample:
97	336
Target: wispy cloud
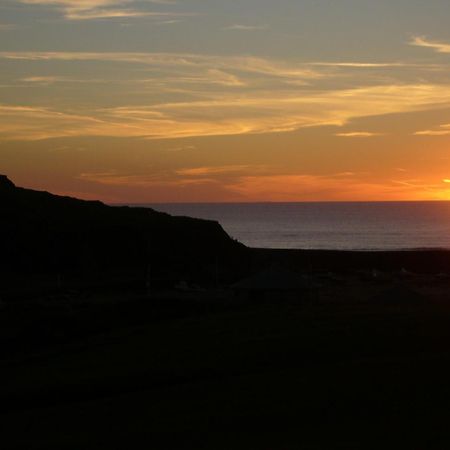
47	80
358	134
42	79
265	183
115	178
432	133
208	76
444	130
249	183
188	95
180	60
225	115
240	27
332	187
291	72
362	65
440	47
36	123
219	170
102	9
181	148
169	22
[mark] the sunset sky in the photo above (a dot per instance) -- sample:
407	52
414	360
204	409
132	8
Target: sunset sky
237	100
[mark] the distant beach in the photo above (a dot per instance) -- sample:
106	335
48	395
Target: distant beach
376	226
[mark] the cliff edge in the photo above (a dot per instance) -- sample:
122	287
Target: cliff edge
46	233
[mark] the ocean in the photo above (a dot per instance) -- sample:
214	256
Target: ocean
330	226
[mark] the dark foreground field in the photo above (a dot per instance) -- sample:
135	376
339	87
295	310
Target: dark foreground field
345	366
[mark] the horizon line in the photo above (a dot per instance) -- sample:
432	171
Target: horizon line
262	202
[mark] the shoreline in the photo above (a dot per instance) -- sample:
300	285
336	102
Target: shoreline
427	261
366	250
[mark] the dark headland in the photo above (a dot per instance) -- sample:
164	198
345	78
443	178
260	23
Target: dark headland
121	326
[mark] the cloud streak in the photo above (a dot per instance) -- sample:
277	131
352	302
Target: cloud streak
178	60
189	95
432	133
240	27
101	9
443	131
357	134
225	115
439	47
262	185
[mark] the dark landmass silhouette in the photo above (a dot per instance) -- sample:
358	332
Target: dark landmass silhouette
45	234
128	328
53	239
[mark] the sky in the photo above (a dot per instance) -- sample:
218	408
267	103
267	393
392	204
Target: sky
144	101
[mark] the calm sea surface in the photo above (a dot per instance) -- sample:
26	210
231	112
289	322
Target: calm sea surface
342	226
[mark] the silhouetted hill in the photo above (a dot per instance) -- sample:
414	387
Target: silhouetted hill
6	183
46	233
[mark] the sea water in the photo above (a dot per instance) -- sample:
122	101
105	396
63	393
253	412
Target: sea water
337	226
